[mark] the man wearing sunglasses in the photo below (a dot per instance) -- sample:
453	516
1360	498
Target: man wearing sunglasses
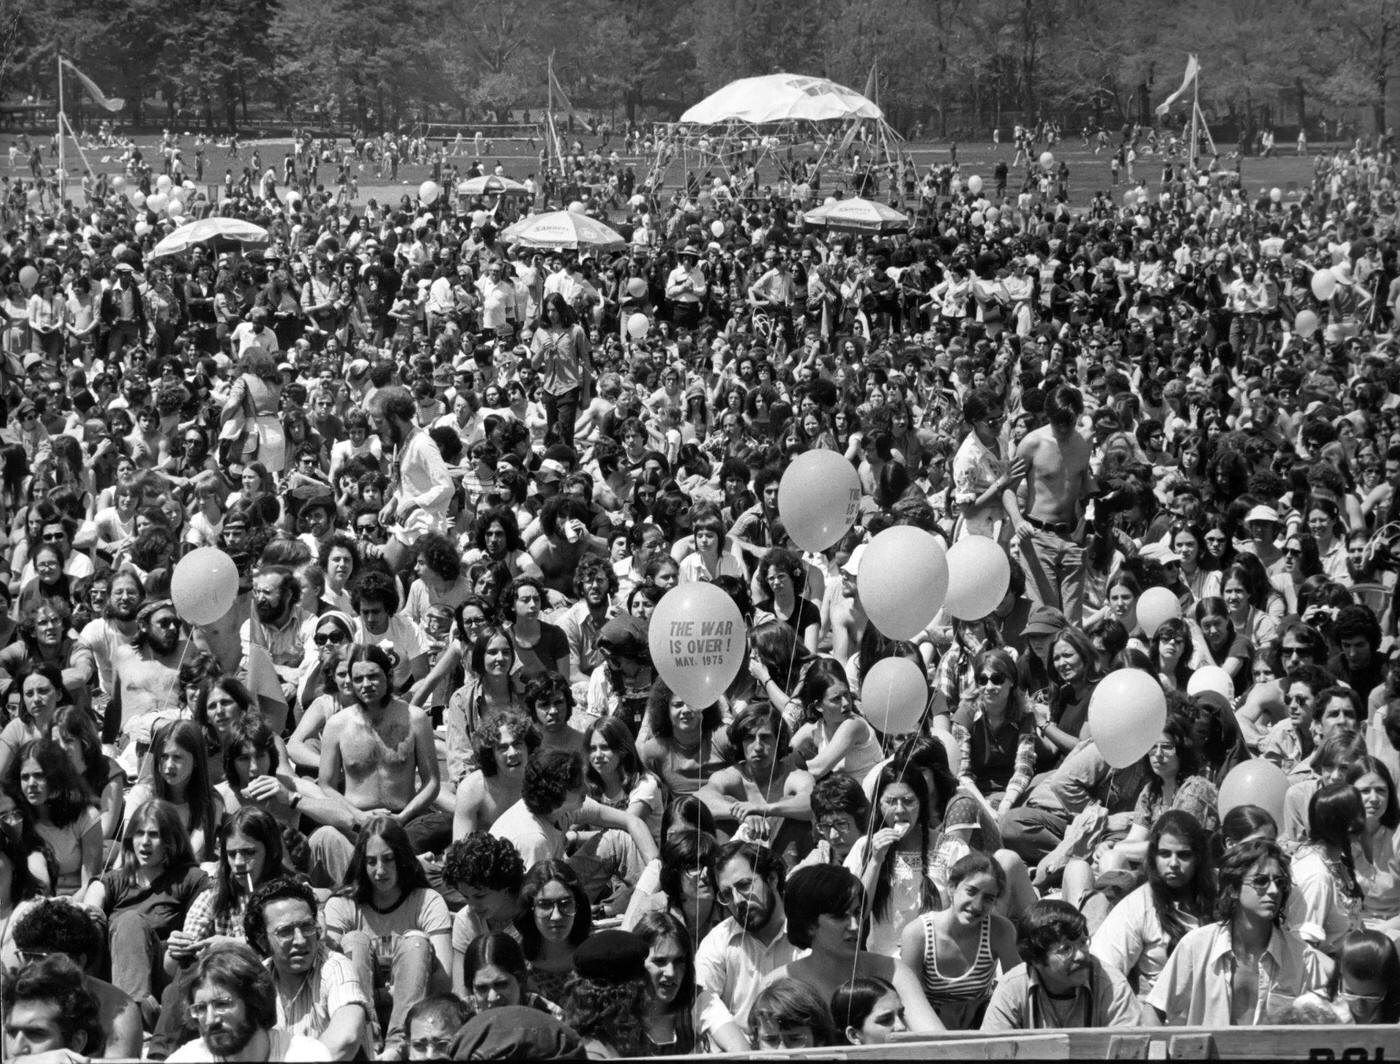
1236	970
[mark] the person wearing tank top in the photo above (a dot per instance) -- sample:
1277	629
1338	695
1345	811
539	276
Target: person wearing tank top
955	952
836	738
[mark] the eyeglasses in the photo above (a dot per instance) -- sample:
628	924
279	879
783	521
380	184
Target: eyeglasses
986	679
1293	552
564	906
840	823
29	956
219	1006
334	637
54	537
1262	883
1163	748
308	929
433	1047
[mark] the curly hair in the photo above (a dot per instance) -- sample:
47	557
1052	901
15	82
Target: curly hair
58	925
611	1013
440	556
549	776
484	862
375	586
594	566
58	981
659	712
283	888
489	734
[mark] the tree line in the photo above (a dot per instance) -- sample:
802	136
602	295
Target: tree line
950	65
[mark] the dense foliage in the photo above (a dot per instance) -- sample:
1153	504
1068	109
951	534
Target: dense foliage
950	64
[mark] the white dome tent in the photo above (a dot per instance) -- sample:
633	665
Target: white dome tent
753	119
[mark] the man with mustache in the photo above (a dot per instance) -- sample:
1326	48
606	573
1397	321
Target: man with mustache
735	959
234	1000
316	993
1061	984
99	640
425	485
146	675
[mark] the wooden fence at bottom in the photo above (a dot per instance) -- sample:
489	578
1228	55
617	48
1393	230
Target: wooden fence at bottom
1302	1043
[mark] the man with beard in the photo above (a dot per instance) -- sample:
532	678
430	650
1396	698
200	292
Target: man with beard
316	991
146	675
425	486
233	999
1235	971
1058	483
1061	984
738	955
278	624
100	639
594	583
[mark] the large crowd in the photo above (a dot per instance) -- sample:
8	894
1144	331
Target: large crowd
423	789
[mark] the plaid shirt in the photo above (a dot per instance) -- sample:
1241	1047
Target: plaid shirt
204	918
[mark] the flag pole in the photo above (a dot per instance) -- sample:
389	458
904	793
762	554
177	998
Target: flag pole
60	120
1195	113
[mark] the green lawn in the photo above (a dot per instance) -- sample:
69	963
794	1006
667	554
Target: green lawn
1088	172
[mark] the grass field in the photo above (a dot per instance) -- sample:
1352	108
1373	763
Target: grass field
1088	172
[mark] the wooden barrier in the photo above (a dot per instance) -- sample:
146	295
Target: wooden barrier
1338	1043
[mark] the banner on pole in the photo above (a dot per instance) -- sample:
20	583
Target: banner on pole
107	103
1193	68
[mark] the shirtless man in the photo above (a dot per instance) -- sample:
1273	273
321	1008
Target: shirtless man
504	743
380	754
765	797
1058	483
145	678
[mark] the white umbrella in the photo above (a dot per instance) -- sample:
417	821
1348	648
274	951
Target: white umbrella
491	185
563	229
221	233
858	216
781	98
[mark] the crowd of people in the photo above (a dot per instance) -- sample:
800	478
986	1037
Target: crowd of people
424	790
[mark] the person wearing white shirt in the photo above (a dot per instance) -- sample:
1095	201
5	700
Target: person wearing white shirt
687	288
735	959
254	334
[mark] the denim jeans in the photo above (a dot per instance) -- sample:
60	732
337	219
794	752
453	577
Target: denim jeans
414	971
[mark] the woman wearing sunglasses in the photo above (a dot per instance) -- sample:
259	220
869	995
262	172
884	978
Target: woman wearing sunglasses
326	686
996	733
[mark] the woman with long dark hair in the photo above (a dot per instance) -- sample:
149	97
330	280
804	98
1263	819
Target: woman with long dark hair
392	925
669	1016
64	811
497	976
1139	933
996	734
1326	900
893	861
180	776
555	918
1378	865
75	731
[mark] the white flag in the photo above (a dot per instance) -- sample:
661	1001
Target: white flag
1192	69
107	103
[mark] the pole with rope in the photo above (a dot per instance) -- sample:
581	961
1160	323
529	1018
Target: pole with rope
59	123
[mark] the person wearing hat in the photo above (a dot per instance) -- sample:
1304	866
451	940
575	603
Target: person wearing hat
687	289
123	313
1263	524
608	998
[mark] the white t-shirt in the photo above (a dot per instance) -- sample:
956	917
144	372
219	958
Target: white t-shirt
283	1046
